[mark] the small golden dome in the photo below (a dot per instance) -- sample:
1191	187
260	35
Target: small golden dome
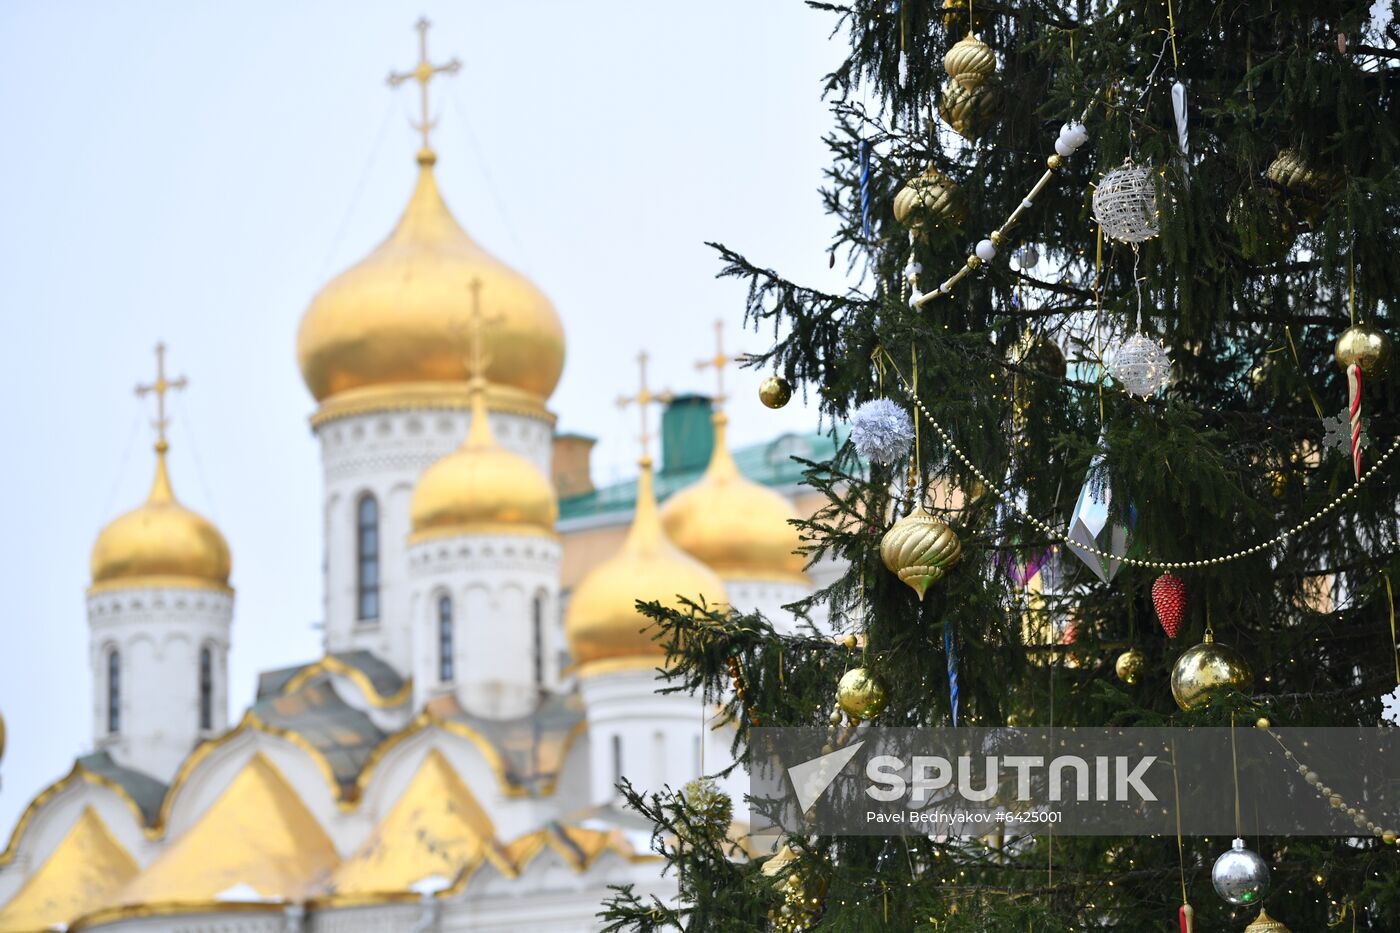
162	543
390	318
602	623
481	487
735	526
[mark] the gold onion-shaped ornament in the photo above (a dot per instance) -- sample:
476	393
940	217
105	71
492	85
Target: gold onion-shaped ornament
931	199
970	58
1266	924
1208	670
861	695
920	549
970	109
1310	187
1292	172
970	97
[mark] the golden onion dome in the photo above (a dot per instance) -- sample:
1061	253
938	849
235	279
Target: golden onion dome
161	543
735	526
389	320
602	622
482	488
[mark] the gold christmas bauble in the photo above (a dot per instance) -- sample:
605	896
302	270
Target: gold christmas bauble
930	200
920	549
969	104
861	694
1292	173
1129	665
1266	924
970	59
775	392
1206	671
1367	346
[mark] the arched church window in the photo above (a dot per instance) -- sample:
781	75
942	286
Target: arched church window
444	621
367	557
537	639
206	688
114	691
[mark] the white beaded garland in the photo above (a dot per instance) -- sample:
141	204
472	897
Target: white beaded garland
1141	365
986	250
1125	204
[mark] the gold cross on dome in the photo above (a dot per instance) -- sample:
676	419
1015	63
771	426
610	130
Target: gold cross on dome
161	386
424	73
642	399
718	362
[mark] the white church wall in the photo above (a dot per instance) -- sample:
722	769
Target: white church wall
383	454
492	582
158	634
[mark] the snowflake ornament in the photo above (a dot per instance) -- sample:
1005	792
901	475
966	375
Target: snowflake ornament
1390	707
1336	432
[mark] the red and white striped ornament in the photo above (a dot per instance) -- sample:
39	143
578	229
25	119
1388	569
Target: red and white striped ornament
1187	916
1169	599
1354	406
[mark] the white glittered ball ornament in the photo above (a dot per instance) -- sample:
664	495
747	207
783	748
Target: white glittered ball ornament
1140	365
1125	204
881	431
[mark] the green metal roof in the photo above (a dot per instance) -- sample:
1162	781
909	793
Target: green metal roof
769	464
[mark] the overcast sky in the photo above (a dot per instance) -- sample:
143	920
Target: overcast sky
195	172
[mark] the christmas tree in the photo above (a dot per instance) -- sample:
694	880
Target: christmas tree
1097	247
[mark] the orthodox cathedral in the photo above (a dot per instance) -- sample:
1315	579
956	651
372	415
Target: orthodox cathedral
450	762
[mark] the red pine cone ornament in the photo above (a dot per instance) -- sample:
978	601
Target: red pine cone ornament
1169	598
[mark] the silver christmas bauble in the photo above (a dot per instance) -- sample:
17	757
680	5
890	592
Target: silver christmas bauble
1240	876
1140	365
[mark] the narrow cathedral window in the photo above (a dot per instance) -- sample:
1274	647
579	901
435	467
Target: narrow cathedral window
617	758
114	692
206	688
537	621
445	639
367	554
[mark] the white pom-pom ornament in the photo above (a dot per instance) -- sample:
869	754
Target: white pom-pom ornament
1125	204
1141	366
882	431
